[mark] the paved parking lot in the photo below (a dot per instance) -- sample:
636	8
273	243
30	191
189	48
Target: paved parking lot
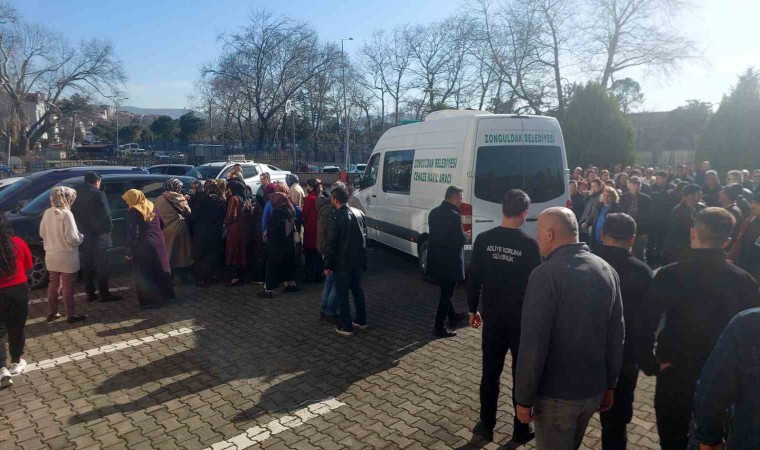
223	369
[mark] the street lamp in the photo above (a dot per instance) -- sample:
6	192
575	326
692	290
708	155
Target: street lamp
345	107
116	100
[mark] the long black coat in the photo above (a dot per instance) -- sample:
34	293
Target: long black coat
207	219
445	258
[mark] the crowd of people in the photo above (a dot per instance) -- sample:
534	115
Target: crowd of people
664	202
578	307
218	232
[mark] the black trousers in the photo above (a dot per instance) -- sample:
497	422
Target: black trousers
14	306
498	338
314	266
94	261
445	308
615	421
673	402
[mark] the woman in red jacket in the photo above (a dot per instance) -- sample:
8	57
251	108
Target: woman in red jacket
310	216
15	261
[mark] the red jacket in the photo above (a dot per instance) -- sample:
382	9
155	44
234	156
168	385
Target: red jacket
310	217
23	263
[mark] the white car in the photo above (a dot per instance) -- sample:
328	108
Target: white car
357	168
251	172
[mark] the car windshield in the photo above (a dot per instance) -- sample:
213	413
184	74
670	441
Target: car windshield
203	172
11	190
38	205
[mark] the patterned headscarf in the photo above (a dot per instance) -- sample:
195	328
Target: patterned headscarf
212	188
222	184
269	188
137	200
197	187
280	200
62	197
173	185
291	179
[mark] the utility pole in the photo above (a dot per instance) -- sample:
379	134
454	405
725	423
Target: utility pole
345	107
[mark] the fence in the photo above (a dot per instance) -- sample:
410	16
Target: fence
194	153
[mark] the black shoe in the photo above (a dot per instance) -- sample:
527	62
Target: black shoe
340	329
54	317
444	333
480	432
523	438
288	289
110	298
265	294
457	319
75	319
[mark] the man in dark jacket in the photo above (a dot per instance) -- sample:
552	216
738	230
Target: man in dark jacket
93	217
618	236
663	204
711	189
639	206
681	221
571	339
502	261
345	258
698	295
445	257
592	203
578	200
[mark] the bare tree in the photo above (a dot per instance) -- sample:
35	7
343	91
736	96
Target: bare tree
398	61
270	60
34	59
372	61
635	33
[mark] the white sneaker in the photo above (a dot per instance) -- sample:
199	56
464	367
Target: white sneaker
5	378
17	368
359	326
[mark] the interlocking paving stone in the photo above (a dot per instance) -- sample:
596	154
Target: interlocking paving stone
260	362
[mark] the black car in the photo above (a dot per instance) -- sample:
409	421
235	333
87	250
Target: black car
26	223
15	196
171	169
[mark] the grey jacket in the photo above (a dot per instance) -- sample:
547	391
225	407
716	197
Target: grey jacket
571	341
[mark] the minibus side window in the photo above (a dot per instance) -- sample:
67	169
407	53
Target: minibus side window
370	172
397	171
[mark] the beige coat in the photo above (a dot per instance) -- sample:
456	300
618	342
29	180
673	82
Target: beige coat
176	229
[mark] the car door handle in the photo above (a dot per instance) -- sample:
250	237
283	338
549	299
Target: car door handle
532	219
483	220
374	195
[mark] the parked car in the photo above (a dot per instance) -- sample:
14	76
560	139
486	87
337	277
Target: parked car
5	182
330	169
15	196
170	169
133	149
251	171
26	223
357	168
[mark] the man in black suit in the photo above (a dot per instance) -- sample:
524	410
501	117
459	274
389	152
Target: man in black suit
680	223
639	206
445	258
93	217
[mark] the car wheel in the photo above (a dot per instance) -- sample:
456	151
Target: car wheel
422	259
38	277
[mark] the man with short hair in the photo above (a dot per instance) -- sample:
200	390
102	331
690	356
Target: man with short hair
700	177
698	296
502	261
578	200
711	189
663	204
571	340
345	258
681	221
93	218
592	203
729	197
445	257
682	174
639	206
618	236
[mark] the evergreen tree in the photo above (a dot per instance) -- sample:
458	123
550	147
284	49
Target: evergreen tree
595	129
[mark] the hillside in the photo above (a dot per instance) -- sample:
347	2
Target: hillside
174	113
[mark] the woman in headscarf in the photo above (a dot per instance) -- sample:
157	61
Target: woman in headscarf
208	223
280	246
61	239
146	249
196	189
235	221
310	217
174	210
296	193
268	191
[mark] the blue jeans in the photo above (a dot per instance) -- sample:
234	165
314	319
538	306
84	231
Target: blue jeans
328	296
343	282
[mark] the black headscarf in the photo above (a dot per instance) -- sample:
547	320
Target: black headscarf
237	187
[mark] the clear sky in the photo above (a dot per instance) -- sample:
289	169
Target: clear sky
163	42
